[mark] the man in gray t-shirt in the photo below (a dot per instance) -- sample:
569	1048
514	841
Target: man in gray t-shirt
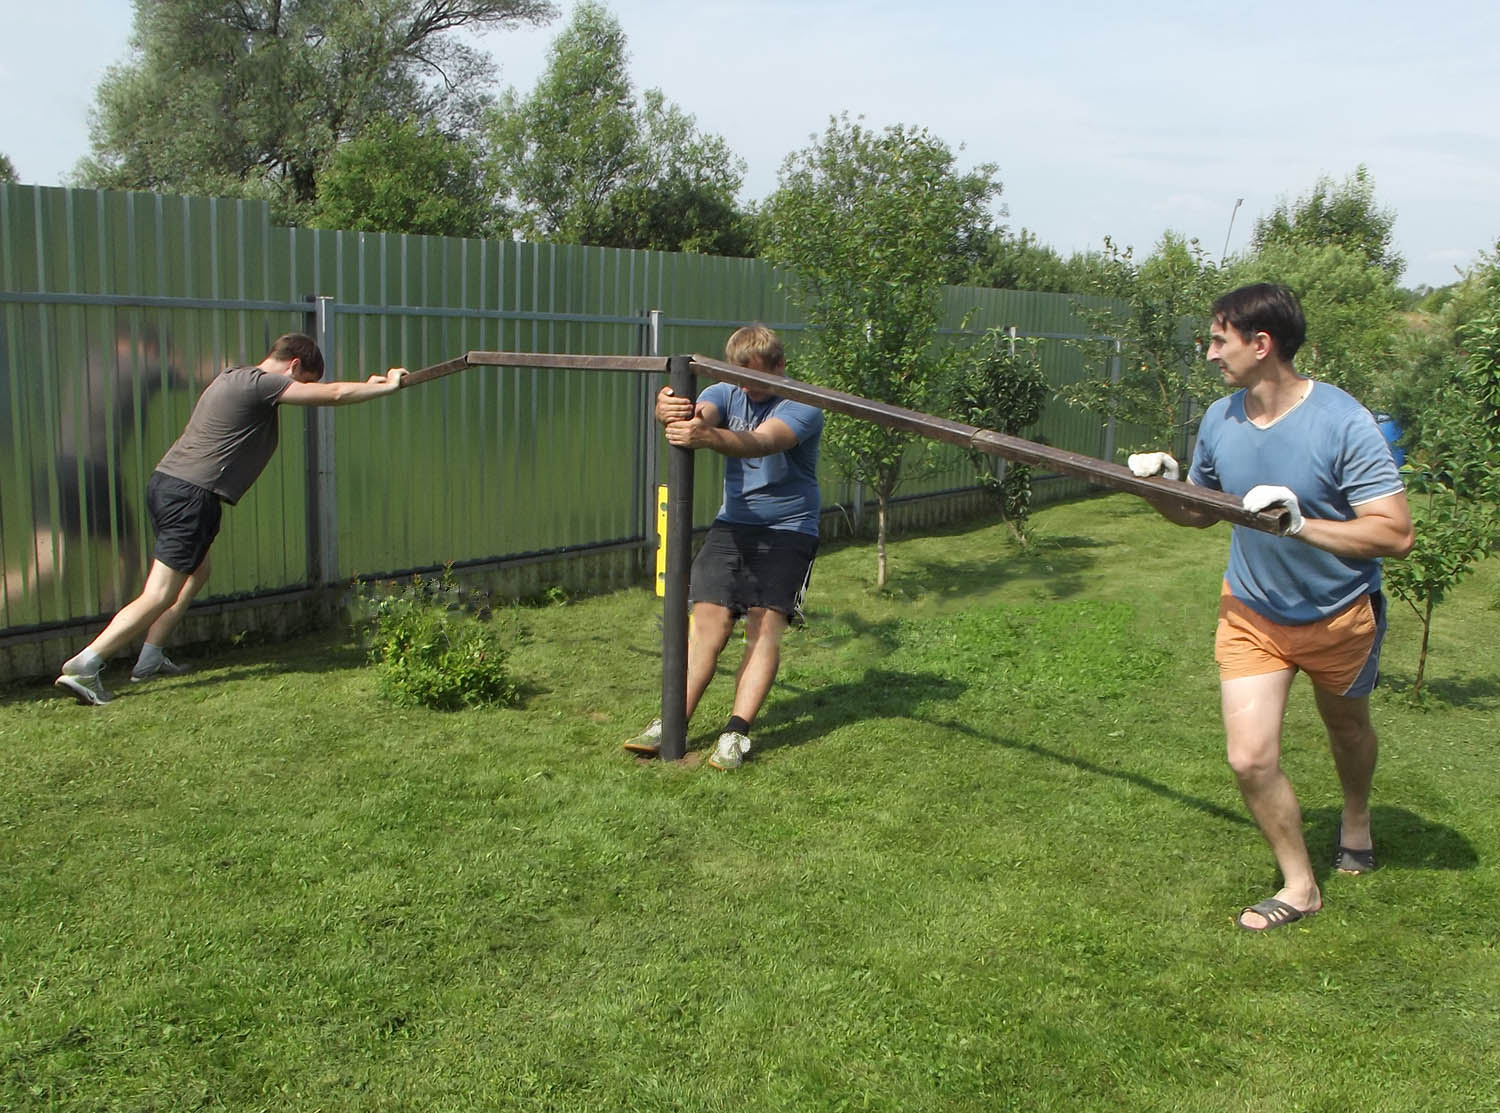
227	443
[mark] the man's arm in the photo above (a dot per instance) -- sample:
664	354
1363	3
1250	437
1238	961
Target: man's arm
342	393
1380	528
773	436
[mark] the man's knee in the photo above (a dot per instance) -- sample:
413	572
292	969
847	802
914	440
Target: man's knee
1253	759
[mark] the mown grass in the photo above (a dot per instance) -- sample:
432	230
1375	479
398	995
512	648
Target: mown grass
985	857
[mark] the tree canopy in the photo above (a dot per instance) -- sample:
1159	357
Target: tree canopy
581	160
400	176
1157	313
7	169
872	224
252	98
1343	214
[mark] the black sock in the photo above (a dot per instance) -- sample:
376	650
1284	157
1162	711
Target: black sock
736	725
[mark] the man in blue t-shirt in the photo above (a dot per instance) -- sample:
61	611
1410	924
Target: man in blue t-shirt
1310	600
759	552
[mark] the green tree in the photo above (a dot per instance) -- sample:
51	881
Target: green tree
1001	387
252	98
7	169
872	224
1155	311
1352	310
1332	213
1022	262
1453	476
580	160
400	176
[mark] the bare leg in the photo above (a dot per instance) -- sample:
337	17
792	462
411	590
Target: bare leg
1351	738
763	631
162	628
163	586
1253	708
712	625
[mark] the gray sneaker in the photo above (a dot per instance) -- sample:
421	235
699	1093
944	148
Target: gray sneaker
165	667
731	750
648	742
87	687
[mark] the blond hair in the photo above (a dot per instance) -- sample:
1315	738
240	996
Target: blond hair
755	344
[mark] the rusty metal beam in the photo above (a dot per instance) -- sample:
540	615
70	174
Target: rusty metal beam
1214	503
656	364
637	364
1113	476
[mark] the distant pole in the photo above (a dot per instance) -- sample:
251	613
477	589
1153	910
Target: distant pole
1238	201
674	622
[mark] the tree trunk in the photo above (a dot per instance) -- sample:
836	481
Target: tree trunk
880	521
1422	656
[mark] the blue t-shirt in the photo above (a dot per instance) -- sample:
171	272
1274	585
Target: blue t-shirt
1331	454
779	491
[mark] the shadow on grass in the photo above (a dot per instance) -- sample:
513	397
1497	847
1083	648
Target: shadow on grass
1474	692
1156	788
883	693
1402	839
878	694
1061	562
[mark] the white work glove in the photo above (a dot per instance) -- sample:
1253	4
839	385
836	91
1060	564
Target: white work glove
1258	498
1147	464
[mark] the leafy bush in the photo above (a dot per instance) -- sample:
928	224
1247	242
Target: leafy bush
433	645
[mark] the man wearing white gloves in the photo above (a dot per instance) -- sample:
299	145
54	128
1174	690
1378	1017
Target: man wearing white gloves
1308	600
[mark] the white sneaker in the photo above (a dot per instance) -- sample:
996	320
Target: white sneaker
165	667
86	686
731	750
648	741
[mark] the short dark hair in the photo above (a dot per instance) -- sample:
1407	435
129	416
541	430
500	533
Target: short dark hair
1266	307
297	345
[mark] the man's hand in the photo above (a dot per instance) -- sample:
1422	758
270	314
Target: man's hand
695	433
1258	498
1146	464
670	407
391	378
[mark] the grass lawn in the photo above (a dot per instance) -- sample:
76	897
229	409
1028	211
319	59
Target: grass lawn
985	856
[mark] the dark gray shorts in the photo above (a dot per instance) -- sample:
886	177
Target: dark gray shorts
741	567
186	520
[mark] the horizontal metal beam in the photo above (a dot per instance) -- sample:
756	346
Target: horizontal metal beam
636	364
656	364
1216	504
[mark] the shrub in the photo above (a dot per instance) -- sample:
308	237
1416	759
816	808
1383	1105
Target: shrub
433	645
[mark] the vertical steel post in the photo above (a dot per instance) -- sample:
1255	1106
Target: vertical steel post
322	498
650	477
1109	425
674	623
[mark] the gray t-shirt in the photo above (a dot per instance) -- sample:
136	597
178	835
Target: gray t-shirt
231	436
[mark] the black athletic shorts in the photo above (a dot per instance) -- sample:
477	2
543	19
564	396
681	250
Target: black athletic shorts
741	567
185	518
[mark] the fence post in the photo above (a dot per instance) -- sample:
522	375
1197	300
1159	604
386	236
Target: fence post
674	622
322	497
649	467
1109	424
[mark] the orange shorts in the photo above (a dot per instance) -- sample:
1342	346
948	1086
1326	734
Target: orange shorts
1340	654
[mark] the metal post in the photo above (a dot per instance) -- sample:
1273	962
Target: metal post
674	623
322	496
650	466
1109	425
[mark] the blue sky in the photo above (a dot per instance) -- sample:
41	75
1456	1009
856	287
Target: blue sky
1104	118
